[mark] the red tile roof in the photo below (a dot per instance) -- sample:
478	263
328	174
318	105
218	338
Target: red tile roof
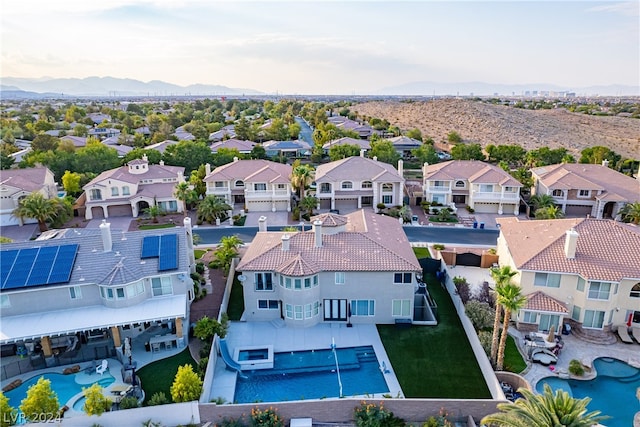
539	301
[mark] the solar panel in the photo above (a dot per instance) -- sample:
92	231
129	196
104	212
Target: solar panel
37	266
42	265
7	259
168	252
61	270
150	247
21	269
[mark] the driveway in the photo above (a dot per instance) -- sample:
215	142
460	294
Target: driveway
19	233
120	223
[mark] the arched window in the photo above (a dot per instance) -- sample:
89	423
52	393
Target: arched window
387	187
635	291
367	184
239	183
459	184
557	193
347	185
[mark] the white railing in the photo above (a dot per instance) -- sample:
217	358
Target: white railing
496	197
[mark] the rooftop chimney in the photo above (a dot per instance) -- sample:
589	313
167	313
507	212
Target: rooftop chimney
317	230
605	163
570	243
362	150
207	168
105	230
400	167
285	242
262	223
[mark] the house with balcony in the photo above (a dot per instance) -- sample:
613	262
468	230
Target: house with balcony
16	184
354	268
129	189
586	190
253	185
483	187
585	272
77	296
357	182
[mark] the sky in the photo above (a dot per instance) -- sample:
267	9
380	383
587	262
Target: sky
323	47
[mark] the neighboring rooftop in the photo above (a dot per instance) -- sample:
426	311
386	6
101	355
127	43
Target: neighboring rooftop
251	170
30	179
356	168
474	171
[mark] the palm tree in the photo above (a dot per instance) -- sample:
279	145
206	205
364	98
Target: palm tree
511	299
541	201
183	193
544	410
502	276
631	213
154	212
301	177
309	203
212	207
36	206
549	212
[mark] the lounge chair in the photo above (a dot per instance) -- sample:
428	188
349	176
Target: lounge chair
103	367
636	333
624	334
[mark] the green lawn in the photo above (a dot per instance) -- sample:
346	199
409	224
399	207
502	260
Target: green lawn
198	253
422	252
236	301
154	226
158	376
435	361
513	361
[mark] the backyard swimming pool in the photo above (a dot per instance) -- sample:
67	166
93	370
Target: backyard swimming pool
312	375
65	386
612	391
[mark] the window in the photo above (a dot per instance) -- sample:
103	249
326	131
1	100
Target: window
263	282
95	194
267	304
509	189
281	186
325	187
125	190
120	293
315	281
593	319
239	183
316	308
161	286
307	282
581	283
529	316
584	193
363	307
635	291
402	277
486	188
575	313
557	193
287	282
438	198
75	292
439	184
547	279
387	199
219	184
5	302
308	309
339	278
599	290
260	186
347	185
297	284
288	311
366	185
459	184
387	188
135	289
400	307
114	191
297	310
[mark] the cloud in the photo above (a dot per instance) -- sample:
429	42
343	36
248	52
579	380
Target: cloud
631	8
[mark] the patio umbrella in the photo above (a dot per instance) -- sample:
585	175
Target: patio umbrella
552	333
127	348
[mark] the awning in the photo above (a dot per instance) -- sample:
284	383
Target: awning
60	322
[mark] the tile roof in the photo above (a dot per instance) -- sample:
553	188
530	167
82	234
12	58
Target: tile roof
362	143
251	170
29	179
122	173
356	168
161	146
606	250
579	176
370	243
405	141
330	219
539	301
238	144
474	171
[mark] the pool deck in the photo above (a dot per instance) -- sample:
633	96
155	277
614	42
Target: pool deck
243	334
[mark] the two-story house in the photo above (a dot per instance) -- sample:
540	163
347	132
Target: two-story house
357	182
483	187
75	297
255	185
16	184
585	270
583	189
363	144
128	190
355	268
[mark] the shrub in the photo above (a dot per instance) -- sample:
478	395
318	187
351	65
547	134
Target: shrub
96	402
295	214
266	418
371	415
231	422
215	264
8	412
480	314
187	385
576	368
469	209
485	338
381	206
200	268
41	401
205	350
202	366
438	246
129	402
463	288
158	398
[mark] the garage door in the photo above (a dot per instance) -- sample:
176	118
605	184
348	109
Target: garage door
347	205
281	206
257	206
8	219
97	212
325	203
120	210
486	207
578	210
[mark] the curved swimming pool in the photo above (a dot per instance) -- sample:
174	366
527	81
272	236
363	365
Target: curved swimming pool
612	391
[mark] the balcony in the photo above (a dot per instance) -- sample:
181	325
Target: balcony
497	197
439	189
267	194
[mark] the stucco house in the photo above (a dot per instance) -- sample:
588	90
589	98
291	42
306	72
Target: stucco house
243	147
404	145
357	182
584	189
363	144
483	187
583	271
253	185
95	287
355	268
16	184
129	189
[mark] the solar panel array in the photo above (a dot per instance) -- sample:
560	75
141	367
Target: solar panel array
164	247
46	265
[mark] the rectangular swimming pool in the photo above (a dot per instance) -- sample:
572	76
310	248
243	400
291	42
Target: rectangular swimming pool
312	374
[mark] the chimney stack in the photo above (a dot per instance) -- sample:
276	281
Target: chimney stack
262	223
570	243
285	242
105	230
400	168
317	230
207	168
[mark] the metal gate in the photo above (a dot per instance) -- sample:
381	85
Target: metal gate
468	259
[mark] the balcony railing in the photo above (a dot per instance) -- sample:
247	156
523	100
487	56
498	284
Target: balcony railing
497	197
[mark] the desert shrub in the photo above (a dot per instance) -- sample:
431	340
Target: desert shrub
576	368
372	415
158	398
480	314
485	338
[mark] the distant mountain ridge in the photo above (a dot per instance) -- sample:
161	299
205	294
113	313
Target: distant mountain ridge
111	86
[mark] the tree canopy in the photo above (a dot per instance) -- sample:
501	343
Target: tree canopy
467	152
41	402
384	151
186	386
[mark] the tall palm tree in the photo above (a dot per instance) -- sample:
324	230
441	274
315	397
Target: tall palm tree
184	193
502	276
631	213
544	410
301	177
36	206
511	299
212	207
541	201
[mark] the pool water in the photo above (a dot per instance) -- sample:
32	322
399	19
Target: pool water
65	386
612	391
312	375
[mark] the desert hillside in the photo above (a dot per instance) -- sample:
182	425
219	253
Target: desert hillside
497	124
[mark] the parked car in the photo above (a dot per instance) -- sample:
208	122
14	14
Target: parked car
544	357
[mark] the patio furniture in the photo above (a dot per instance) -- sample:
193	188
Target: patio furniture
623	333
544	357
103	367
636	333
